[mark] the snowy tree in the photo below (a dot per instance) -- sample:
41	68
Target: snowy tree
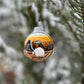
62	19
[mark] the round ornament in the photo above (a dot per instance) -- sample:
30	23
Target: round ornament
38	45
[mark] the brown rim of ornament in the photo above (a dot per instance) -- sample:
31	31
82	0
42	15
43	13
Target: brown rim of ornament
34	58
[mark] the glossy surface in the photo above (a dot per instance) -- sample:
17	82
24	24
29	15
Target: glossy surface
38	45
34	41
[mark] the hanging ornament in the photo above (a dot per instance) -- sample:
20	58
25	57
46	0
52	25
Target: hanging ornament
38	45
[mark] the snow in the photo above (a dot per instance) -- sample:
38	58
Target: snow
65	73
78	83
8	3
19	4
58	4
62	62
76	65
59	62
48	15
11	64
45	0
64	82
48	72
4	11
23	30
10	50
36	69
58	65
77	15
60	82
2	43
9	7
19	70
34	8
53	24
69	35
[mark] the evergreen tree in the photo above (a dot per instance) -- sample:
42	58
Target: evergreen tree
63	20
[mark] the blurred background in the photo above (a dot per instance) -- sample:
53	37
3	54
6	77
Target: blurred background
62	19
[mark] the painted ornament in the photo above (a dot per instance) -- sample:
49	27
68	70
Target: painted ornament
38	45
